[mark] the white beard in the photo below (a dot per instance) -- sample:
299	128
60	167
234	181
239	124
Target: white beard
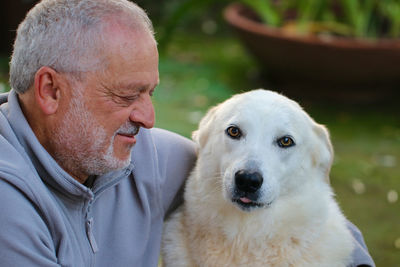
81	144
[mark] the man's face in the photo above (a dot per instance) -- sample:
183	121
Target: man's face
103	116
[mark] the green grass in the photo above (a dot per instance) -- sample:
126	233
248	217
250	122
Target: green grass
368	152
200	71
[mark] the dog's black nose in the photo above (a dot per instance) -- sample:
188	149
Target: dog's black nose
248	182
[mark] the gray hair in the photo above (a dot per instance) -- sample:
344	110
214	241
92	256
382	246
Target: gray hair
66	35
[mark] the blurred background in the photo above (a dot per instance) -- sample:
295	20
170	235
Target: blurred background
339	59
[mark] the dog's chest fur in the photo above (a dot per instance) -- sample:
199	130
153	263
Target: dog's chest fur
211	248
203	246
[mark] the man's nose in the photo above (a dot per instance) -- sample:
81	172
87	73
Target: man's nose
143	112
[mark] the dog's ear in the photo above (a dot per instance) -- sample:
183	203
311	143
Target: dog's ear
322	154
200	136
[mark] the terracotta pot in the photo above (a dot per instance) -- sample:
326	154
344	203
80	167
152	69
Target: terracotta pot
314	60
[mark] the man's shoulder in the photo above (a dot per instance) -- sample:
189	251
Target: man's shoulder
18	183
15	166
168	138
157	147
172	145
11	161
10	156
16	172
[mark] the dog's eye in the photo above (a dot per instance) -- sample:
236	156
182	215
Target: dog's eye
285	142
234	132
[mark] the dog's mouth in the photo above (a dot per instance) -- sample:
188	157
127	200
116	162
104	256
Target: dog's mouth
248	204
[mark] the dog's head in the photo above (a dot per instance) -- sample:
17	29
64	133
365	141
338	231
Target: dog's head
259	146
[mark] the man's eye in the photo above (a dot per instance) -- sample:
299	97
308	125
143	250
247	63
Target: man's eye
124	100
129	98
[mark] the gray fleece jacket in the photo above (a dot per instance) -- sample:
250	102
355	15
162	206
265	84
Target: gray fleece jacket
47	218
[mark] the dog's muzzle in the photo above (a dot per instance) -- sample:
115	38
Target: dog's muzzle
246	193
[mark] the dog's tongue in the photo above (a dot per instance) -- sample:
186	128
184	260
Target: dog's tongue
245	200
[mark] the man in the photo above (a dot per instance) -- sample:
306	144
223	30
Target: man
84	180
82	74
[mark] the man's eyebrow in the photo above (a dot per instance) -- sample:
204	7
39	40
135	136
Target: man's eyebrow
126	87
130	86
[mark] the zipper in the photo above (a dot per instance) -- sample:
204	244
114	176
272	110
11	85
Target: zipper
89	232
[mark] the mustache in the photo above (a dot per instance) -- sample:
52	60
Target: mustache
129	128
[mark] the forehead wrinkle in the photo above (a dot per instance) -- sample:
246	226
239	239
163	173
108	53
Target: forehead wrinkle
119	86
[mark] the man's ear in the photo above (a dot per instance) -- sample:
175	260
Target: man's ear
47	90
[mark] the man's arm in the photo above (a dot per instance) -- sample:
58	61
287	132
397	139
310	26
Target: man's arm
176	159
360	256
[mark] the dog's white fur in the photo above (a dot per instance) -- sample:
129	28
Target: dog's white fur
300	223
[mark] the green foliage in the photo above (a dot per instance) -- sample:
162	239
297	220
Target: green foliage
391	9
351	18
371	19
266	10
176	12
4	87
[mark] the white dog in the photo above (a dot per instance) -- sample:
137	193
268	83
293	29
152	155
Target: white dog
259	194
